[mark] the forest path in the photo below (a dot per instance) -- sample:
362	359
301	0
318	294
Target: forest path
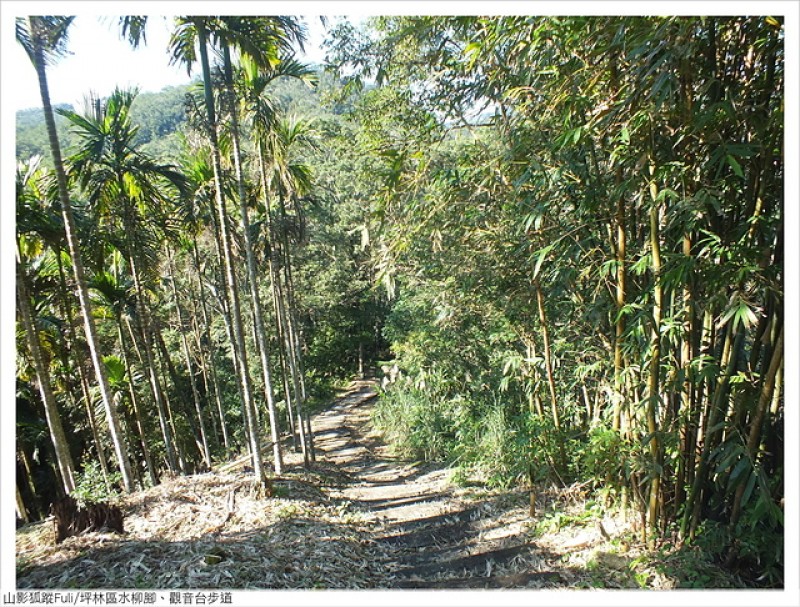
358	518
431	533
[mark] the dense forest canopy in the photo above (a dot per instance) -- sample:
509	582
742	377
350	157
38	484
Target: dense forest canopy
565	232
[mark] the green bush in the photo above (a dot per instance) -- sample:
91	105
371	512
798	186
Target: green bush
418	426
91	486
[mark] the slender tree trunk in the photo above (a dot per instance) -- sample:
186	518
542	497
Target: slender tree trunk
291	357
223	298
57	436
276	297
77	261
148	362
164	369
72	332
22	511
260	327
548	361
653	383
188	357
230	275
292	318
148	459
282	354
293	353
212	367
87	400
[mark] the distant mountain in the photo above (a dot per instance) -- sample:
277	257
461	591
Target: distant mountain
158	116
161	117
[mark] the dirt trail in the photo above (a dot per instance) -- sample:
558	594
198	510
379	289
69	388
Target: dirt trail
359	518
430	534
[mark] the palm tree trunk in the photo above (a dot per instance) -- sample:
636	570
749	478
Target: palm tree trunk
210	355
72	336
277	300
259	329
295	355
148	362
223	298
36	506
22	511
148	459
166	368
291	355
188	357
230	275
280	317
77	262
57	436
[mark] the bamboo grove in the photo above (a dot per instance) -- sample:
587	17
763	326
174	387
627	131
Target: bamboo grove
568	231
589	211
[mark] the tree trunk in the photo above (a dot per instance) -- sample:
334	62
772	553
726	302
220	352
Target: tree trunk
291	353
147	359
22	511
77	262
548	361
223	299
135	404
230	275
277	300
260	328
57	436
188	357
207	335
653	383
72	337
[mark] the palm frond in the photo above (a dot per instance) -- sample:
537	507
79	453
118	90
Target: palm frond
134	29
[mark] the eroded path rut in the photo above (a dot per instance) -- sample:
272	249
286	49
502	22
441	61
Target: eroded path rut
431	536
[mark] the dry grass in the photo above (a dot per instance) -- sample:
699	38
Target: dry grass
183	534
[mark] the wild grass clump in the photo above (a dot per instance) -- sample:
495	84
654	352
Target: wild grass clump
418	426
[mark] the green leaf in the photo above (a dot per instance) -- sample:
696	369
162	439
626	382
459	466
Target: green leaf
542	254
732	162
748	490
741	466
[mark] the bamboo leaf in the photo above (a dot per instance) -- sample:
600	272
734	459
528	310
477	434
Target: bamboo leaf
540	259
734	164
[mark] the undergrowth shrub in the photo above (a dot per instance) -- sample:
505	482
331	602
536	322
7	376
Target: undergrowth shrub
92	488
417	426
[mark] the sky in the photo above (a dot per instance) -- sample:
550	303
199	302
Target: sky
99	60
